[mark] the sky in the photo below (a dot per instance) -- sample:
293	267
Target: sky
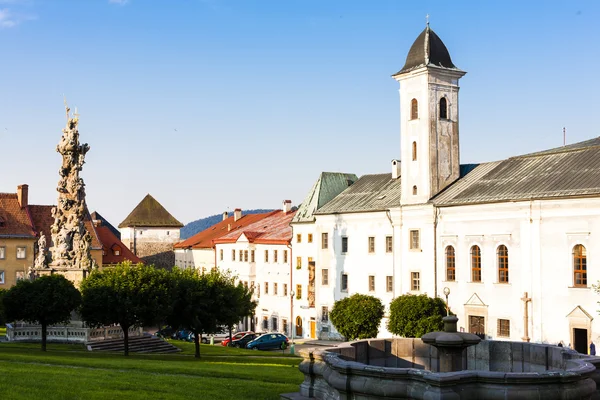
211	105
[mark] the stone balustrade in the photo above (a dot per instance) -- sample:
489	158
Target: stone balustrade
66	334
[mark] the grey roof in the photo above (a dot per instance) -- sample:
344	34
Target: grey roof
427	50
329	185
567	171
370	193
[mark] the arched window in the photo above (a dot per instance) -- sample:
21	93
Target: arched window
443	108
414	151
579	266
450	264
415	190
475	264
414	109
502	254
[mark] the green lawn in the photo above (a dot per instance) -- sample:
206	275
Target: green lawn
71	372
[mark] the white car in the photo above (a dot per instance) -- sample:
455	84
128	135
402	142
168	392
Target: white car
218	337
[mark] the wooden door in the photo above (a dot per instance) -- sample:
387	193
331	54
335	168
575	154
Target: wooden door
580	343
299	326
313	329
477	325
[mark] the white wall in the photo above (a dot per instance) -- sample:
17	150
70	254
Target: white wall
165	235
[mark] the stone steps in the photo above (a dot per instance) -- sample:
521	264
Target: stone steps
137	344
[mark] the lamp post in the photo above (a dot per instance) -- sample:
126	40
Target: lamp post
292	346
447	293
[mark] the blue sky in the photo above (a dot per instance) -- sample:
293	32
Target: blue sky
212	105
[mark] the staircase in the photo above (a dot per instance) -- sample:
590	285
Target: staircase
137	344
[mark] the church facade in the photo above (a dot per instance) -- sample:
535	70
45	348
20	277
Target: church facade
509	239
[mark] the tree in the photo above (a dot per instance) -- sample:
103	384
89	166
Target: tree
238	303
48	300
129	295
415	315
357	316
2	316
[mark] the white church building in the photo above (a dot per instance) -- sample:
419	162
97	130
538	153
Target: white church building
510	239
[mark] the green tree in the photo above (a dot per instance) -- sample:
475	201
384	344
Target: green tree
415	315
197	302
237	302
48	300
2	316
357	316
129	295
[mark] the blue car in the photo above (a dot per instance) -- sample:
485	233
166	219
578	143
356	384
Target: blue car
269	341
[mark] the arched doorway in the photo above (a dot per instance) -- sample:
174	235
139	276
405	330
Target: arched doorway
299	326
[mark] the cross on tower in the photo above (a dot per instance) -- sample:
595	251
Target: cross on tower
427	19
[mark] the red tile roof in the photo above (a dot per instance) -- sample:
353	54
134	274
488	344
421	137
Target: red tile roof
275	229
14	220
42	221
204	239
111	243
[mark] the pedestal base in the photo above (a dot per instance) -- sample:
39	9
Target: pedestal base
75	275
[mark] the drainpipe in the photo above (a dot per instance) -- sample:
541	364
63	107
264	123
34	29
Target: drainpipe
389	217
435	222
290	293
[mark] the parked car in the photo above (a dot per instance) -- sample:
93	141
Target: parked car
238	335
167	332
244	340
219	336
184	334
269	341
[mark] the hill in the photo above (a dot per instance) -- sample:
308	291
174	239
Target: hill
201	224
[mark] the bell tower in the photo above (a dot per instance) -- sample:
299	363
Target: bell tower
428	119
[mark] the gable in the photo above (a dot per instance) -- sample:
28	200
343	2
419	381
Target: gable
475	300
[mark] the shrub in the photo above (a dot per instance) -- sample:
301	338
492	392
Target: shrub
357	316
413	316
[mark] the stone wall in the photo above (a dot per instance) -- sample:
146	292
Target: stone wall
160	254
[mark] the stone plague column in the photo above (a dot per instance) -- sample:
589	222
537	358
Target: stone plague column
70	253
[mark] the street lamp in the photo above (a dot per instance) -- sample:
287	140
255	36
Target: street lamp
447	293
292	347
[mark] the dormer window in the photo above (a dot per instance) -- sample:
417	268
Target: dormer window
415	190
2	221
116	249
414	109
443	108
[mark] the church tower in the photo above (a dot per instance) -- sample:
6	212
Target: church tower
428	119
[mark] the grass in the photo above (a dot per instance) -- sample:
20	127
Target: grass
71	372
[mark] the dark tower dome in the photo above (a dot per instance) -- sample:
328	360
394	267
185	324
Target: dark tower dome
427	50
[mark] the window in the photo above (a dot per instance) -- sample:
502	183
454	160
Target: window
324	314
232	255
324	240
324	277
371	283
415	191
265	323
2	253
414	151
310	260
252	256
241	255
21	253
274	324
266	256
275	289
245	255
450	264
246	284
388	244
504	327
344	287
2	221
344	244
274	256
284	326
221	254
414	109
443	108
414	240
579	266
285	289
502	253
310	238
415	281
475	264
266	287
20	275
298	262
298	292
371	244
299	238
285	256
389	283
1	277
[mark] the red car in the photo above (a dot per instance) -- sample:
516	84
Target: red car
238	335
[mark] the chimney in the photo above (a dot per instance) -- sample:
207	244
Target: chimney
395	169
287	206
237	214
228	227
22	195
225	215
